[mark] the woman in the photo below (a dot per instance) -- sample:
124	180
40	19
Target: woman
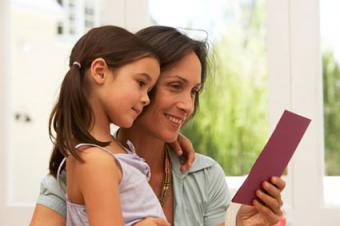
200	195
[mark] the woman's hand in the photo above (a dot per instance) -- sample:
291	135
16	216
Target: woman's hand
184	149
267	209
152	221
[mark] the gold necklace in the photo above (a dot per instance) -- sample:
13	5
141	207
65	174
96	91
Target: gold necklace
166	182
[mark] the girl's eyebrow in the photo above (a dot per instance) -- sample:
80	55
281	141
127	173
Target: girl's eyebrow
147	76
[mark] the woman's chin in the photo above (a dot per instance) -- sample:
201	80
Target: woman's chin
170	137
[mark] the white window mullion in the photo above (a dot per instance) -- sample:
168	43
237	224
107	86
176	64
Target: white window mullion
307	99
66	22
79	14
97	13
137	14
279	71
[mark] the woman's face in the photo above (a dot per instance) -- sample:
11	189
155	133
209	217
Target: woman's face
173	101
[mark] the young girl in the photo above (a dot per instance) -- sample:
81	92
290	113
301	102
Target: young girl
111	72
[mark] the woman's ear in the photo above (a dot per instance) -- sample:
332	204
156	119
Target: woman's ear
97	70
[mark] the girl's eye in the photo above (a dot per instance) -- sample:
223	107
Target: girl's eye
141	83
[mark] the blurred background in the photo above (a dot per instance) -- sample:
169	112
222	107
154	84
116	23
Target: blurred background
267	56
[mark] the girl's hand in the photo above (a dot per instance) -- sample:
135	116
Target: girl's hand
152	221
267	209
184	149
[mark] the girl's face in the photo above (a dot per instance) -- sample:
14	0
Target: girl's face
125	91
174	98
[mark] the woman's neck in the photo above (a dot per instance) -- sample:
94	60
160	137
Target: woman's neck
147	146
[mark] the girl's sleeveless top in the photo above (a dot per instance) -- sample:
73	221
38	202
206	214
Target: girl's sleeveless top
137	198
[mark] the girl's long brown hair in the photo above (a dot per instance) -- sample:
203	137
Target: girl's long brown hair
72	116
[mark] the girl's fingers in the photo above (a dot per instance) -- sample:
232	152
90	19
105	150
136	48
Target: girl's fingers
161	222
153	221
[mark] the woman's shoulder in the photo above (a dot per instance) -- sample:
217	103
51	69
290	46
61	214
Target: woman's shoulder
202	165
204	162
52	193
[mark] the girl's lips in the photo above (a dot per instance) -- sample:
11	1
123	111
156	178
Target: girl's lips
138	111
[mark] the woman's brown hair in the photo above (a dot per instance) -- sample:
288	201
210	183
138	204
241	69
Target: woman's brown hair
72	116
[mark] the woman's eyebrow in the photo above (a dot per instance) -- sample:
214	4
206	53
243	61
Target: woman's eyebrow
185	80
179	77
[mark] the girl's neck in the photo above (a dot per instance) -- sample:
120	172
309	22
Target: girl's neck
101	133
147	146
101	126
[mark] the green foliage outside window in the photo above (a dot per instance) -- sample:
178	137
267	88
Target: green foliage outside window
231	124
331	93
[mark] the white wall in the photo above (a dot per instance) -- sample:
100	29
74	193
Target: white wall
130	14
38	63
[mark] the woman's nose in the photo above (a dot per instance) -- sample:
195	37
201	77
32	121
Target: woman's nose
186	104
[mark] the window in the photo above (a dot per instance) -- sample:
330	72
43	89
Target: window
80	16
232	123
330	18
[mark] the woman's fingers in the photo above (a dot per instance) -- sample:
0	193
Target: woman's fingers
267	213
176	147
268	201
188	156
278	182
270	195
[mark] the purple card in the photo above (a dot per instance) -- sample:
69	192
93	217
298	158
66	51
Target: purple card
275	155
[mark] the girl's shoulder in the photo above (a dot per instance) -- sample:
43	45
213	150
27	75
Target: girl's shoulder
94	160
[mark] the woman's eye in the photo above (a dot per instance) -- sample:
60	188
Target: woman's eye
175	86
195	92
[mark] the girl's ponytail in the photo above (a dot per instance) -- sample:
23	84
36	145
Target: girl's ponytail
70	119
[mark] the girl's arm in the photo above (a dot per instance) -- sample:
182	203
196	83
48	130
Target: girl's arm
98	181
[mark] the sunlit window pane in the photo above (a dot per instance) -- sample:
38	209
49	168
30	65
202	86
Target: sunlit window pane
330	19
231	125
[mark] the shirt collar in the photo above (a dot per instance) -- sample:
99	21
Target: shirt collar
197	165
